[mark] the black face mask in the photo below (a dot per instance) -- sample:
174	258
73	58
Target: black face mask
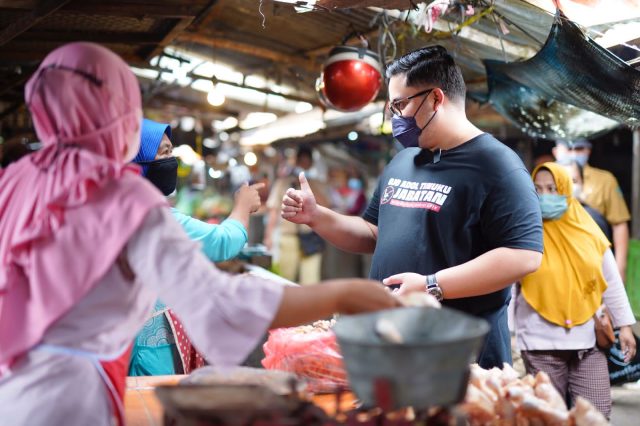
163	174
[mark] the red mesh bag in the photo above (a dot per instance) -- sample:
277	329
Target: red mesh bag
310	353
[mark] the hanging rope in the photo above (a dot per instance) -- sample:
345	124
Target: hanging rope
264	18
499	34
472	20
387	45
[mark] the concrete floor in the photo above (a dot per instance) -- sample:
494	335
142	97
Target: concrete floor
626	402
626	407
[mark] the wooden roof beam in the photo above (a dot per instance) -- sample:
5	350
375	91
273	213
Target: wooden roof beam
42	9
324	50
139	8
177	28
257	89
361	4
163	101
208	15
248	49
33	57
119	37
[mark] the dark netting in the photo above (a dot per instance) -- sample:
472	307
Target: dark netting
536	114
574	69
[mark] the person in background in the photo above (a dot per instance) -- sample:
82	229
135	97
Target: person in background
454	213
159	348
258	220
219	242
87	246
542	158
299	249
360	199
575	171
347	194
600	191
347	197
555	305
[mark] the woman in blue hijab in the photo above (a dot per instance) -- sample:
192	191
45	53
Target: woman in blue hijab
219	242
161	347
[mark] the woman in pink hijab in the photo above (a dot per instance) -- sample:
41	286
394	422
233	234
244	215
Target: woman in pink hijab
87	246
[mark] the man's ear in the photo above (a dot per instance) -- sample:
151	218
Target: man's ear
438	98
554	151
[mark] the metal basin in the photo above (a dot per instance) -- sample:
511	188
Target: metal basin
430	367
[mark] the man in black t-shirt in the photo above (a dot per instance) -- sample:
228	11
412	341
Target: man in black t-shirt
454	214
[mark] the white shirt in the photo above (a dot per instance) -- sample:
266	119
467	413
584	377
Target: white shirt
536	333
224	315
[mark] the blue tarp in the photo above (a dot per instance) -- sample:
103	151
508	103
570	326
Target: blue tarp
571	72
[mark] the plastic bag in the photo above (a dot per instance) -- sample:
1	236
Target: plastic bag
309	352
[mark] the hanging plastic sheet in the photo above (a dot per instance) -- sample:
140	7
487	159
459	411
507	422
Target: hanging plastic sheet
574	69
537	115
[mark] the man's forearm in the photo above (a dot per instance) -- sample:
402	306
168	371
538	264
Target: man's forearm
621	245
487	273
348	233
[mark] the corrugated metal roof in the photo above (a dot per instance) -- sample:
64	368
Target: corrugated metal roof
266	38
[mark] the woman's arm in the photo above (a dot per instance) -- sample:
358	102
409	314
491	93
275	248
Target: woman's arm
226	315
219	242
615	297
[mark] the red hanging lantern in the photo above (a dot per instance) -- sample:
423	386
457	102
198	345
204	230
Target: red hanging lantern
351	78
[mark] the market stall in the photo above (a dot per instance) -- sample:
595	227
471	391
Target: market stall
241	87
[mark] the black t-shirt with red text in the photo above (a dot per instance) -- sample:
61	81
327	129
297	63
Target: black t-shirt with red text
435	213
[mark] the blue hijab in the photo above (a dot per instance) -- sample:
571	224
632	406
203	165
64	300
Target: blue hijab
150	138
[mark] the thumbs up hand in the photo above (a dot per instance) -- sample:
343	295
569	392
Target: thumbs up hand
299	205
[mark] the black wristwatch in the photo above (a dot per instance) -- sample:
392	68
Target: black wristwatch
433	288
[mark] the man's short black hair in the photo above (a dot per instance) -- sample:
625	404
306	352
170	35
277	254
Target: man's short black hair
431	65
304	151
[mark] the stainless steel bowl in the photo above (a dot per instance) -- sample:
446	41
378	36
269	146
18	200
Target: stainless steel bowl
431	366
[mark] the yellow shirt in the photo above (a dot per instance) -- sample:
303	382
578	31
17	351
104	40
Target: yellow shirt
602	192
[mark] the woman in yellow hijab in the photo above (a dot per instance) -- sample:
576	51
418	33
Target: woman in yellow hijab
555	305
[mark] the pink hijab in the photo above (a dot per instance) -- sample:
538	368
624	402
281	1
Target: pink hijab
68	210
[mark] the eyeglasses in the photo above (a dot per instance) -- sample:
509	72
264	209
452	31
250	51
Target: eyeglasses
396	107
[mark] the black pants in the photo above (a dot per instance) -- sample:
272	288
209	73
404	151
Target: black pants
497	345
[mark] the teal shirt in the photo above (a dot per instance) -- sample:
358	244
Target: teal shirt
219	242
155	351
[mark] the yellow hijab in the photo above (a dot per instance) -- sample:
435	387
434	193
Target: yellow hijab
567	289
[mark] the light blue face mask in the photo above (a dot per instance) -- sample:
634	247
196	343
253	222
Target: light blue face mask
581	159
355	184
570	157
553	206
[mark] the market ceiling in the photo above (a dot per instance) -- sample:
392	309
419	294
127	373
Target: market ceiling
277	48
